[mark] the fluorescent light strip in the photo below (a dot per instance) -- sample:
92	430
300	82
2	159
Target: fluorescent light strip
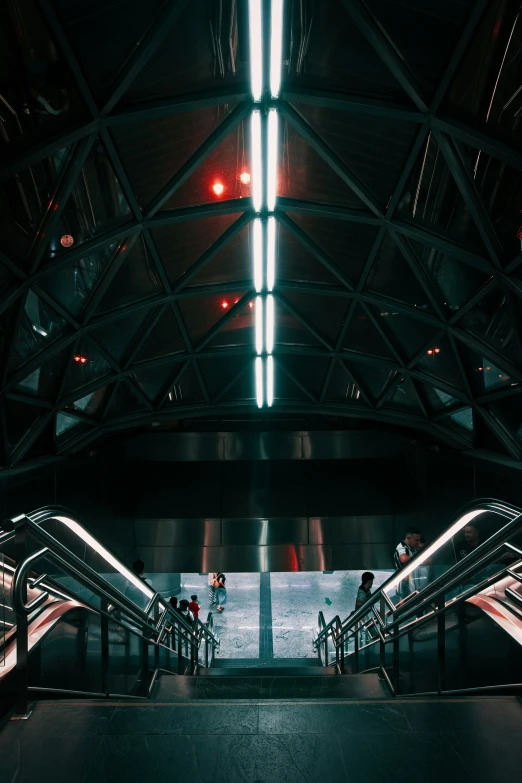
269	380
269	340
257	162
270	254
259	382
430	550
271	174
258	254
276	47
256	48
259	324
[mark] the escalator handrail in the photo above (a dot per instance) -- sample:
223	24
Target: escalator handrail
485	504
34	521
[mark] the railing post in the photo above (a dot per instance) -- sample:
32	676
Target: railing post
326	649
441	646
382	645
22	711
396	657
145	666
156	646
180	651
356	648
104	637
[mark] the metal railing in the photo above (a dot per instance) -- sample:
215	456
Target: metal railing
386	622
158	624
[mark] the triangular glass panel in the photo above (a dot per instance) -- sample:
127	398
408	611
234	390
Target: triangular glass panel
90	404
218	176
153	150
200	314
332	54
347	244
180	245
72	284
483	375
309	371
186	391
431	198
86	365
45	381
392	277
244	387
374	148
218	372
164	339
493	321
500	186
285	388
153	382
24	199
295	262
509	411
290	331
200	52
303	174
409	334
101	57
233	262
240	330
404	398
325	313
123	402
437	399
96	204
362	336
136	279
454	281
425	38
342	388
440	362
371	377
117	335
68	426
461	421
39	327
19	419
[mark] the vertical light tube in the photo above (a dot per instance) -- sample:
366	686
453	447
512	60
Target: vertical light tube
269	320
276	47
258	254
256	48
271	254
259	382
271	173
269	381
257	162
259	324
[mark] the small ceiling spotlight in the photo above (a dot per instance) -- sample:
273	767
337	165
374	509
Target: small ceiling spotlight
79	359
218	188
67	240
245	177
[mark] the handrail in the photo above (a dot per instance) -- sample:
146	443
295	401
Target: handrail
480	506
89	577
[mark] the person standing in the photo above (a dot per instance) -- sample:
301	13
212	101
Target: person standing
194	606
212	588
221	592
404	551
365	590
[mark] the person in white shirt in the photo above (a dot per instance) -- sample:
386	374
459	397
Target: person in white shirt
404	551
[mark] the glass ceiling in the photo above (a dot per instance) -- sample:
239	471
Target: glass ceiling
127	291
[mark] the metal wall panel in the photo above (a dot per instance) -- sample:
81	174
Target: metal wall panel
254	559
373	529
263	532
263	446
177	532
364	556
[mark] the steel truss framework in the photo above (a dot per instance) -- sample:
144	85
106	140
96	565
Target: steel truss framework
452	137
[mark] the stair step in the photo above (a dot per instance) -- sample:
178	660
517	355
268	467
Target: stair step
269	686
265	663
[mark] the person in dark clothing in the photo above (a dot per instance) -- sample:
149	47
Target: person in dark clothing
174	603
185	611
221	592
365	590
473	538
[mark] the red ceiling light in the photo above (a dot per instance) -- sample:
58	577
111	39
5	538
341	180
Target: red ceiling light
218	188
437	350
245	177
224	304
67	240
480	369
79	359
251	305
429	352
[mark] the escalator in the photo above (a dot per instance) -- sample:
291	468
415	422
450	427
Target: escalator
67	629
460	632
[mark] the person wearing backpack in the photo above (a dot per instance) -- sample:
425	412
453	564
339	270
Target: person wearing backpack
404	551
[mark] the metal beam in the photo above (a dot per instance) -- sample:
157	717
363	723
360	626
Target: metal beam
490	144
229	315
209	145
351	215
420	274
144	50
386	50
300	317
356	104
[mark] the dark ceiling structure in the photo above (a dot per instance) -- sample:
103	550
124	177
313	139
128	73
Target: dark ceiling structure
126	284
